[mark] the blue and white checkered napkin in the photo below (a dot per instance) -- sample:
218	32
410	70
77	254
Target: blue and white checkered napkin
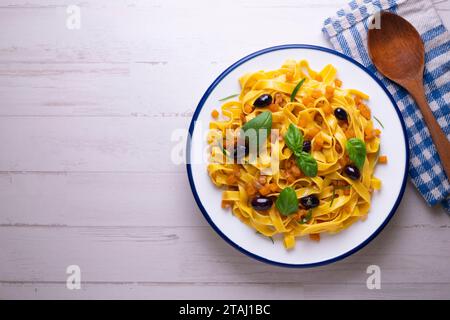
347	32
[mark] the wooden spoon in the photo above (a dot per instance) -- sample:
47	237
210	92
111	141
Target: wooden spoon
398	52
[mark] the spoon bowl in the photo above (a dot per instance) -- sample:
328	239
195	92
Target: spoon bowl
396	48
398	52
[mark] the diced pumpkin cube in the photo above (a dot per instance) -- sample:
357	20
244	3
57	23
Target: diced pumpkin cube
231	179
349	133
327	109
382	159
250	189
303	121
318	142
295	171
314	236
311	133
316	93
307	100
226	204
364	110
329	92
289	75
274	187
265	190
215	114
274	107
368	133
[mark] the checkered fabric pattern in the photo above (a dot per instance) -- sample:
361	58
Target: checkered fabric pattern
347	31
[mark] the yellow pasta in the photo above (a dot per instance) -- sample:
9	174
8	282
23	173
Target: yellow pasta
295	95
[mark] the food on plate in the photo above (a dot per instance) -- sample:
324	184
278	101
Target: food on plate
295	152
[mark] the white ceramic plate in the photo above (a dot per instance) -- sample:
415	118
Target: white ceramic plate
331	248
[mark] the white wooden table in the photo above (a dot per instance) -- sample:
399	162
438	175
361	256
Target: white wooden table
86	118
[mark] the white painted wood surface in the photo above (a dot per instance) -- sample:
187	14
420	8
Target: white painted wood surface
86	118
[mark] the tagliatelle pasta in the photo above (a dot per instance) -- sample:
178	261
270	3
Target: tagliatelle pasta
313	171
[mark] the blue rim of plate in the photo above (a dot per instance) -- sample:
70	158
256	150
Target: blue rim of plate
194	190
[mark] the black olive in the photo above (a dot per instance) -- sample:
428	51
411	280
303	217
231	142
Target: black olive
352	172
307	145
241	150
340	113
310	201
263	101
262	203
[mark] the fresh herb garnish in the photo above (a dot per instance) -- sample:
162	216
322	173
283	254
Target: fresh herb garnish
356	150
294	139
378	120
305	161
297	87
334	192
271	239
332	196
307	164
261	121
229	97
307	217
224	151
287	202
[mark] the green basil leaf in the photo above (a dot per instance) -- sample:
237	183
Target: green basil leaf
356	150
287	202
307	164
294	139
297	87
261	121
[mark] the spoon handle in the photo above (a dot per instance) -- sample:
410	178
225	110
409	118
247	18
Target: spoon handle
439	138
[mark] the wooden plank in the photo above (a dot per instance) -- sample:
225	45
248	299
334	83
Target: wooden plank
104	69
223	291
196	254
186	31
150	291
386	292
99	89
69	73
98	199
90	144
133	199
37	4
